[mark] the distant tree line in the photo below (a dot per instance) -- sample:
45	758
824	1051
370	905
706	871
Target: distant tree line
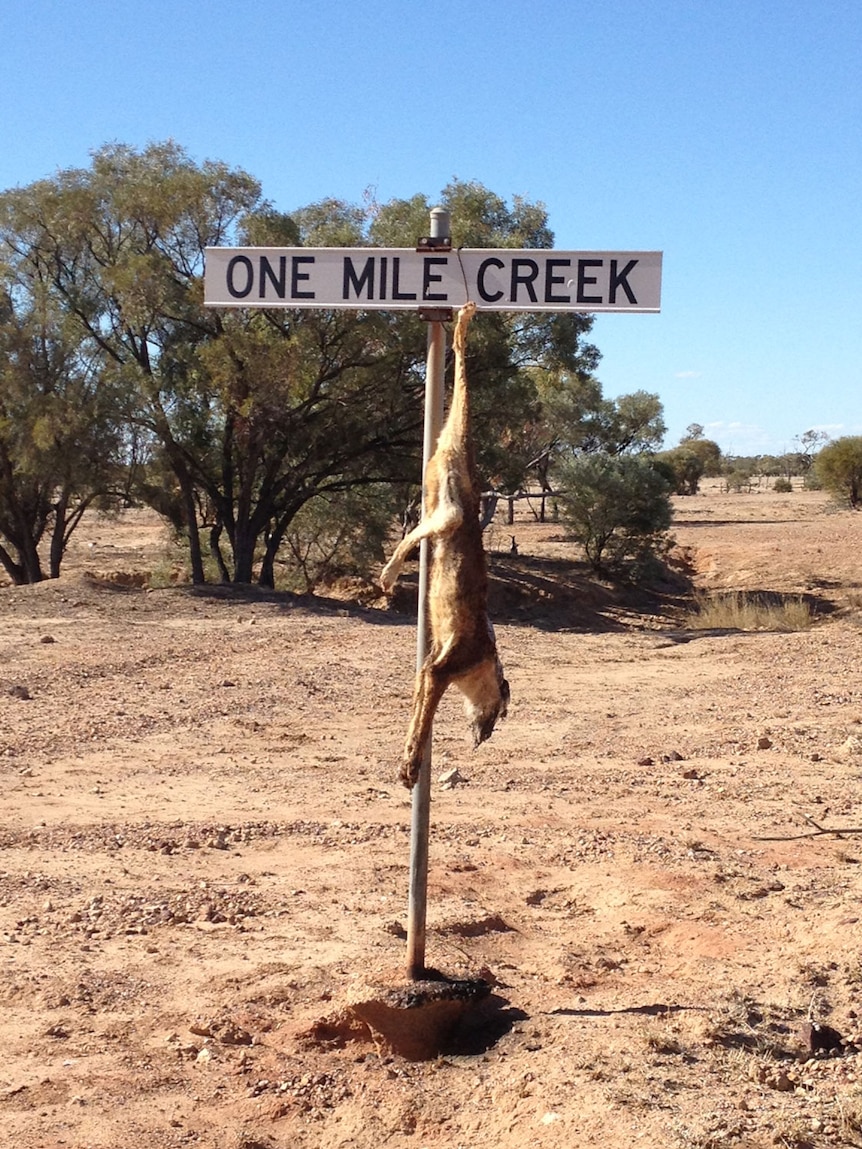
278	441
265	438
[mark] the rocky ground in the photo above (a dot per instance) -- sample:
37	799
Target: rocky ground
204	848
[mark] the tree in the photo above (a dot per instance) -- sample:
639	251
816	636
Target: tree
616	506
119	248
706	451
838	466
810	442
628	425
60	440
682	467
252	414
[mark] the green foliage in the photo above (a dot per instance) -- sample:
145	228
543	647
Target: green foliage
617	507
244	417
337	536
682	467
738	480
628	425
838	466
708	452
782	486
60	438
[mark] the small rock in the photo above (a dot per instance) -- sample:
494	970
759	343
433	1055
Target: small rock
19	691
229	1033
782	1081
451	778
821	1038
204	1057
645	762
47	638
764	742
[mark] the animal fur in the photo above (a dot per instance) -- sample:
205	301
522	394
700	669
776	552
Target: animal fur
463	649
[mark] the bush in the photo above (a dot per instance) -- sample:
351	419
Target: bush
782	486
337	535
739	610
682	467
838	466
617	507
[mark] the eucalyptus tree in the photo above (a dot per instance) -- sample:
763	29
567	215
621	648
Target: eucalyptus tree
252	414
119	248
61	444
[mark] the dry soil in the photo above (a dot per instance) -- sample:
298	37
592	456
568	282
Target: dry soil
204	851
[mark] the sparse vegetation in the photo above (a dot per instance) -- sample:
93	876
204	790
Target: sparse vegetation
839	468
742	610
617	508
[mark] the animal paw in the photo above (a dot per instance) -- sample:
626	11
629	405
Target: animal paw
388	578
409	773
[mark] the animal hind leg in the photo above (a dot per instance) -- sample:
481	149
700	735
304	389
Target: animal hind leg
430	687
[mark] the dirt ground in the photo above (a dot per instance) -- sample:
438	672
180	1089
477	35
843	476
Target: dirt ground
204	851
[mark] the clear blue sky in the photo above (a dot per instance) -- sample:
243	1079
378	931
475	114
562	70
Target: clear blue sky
727	133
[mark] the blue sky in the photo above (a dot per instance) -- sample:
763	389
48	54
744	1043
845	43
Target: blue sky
727	133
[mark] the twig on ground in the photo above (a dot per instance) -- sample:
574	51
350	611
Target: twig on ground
838	831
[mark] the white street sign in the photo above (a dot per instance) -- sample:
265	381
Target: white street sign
372	278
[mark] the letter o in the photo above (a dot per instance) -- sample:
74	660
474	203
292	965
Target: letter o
249	271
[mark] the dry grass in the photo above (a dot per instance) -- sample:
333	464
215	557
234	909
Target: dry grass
742	610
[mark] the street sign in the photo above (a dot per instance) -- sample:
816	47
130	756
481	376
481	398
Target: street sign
401	279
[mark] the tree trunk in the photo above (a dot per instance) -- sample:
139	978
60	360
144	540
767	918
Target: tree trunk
196	557
58	535
14	570
29	555
273	542
243	556
215	550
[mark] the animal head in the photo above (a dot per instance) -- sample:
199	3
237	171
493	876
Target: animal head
487	699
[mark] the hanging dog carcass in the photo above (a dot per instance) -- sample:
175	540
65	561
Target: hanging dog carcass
463	649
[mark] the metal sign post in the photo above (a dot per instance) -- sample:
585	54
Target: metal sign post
421	811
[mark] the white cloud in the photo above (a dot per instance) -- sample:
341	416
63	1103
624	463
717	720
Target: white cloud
687	375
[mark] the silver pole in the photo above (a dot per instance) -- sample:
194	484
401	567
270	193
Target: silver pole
421	812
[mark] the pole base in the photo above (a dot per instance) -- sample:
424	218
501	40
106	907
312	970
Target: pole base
415	1021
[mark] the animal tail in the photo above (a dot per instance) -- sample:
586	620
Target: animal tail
460	411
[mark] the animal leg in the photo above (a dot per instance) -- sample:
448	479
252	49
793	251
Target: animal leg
444	519
430	687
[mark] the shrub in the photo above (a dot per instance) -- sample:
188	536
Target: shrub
682	467
337	535
838	466
782	486
617	507
738	610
